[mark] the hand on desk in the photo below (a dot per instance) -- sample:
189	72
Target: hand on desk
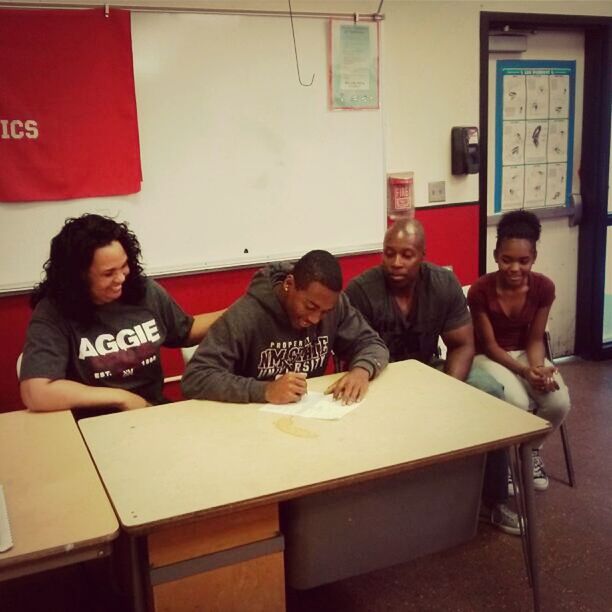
131	401
352	387
287	389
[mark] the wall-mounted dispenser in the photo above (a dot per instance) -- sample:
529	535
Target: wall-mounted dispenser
465	150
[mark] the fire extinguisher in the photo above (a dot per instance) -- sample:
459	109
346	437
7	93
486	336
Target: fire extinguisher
400	195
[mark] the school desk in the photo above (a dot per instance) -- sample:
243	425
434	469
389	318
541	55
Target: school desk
198	484
58	511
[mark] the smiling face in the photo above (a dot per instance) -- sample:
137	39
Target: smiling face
107	273
403	253
306	307
514	258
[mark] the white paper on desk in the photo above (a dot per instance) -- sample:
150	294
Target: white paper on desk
314	405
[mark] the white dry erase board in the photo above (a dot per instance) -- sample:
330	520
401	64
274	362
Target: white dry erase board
241	164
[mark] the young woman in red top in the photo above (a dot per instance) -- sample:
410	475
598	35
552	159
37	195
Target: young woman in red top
510	309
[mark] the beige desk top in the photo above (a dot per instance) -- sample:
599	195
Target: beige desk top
192	458
55	500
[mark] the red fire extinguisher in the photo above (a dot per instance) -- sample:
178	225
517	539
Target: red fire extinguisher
400	195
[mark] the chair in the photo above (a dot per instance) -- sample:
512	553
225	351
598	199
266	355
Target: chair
187	352
569	464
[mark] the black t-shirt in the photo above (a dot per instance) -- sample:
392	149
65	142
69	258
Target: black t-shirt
439	306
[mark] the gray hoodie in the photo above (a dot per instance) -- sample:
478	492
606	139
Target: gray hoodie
254	342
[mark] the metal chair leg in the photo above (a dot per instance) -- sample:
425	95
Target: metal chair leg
567	453
569	464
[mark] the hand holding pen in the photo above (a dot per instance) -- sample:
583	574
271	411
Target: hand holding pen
287	388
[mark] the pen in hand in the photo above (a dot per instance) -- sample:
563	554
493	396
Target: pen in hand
286	388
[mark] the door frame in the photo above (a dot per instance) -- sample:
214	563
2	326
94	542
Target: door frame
595	159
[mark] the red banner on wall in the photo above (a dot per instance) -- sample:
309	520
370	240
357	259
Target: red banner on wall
68	123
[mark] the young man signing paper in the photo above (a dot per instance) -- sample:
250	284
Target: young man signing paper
281	332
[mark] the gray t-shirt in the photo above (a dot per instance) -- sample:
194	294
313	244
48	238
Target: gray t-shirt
439	307
121	349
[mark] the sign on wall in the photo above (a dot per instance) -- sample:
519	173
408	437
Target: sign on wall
534	127
354	65
68	121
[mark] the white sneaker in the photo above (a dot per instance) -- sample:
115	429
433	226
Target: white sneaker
540	478
502	517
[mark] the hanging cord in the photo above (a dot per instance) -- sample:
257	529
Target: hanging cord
297	62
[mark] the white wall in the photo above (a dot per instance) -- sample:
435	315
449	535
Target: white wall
431	71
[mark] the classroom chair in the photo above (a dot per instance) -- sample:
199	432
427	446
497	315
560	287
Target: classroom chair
187	352
567	452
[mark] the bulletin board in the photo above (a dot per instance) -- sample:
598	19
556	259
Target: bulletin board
534	126
241	164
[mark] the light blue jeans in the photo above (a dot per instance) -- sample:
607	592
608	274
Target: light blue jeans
552	406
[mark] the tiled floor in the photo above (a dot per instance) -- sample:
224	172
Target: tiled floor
575	529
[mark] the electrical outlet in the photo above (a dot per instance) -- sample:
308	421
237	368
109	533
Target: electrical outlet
437	191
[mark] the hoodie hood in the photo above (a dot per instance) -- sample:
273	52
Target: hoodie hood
262	289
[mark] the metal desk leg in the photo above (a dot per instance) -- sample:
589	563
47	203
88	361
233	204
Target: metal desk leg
528	497
514	462
136	547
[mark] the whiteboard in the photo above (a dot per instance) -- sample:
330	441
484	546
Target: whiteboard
241	164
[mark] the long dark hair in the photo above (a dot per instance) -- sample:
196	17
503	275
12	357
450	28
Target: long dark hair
65	281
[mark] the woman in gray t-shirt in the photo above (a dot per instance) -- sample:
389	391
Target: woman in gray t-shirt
98	323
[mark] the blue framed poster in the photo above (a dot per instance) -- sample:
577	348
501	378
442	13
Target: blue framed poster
534	133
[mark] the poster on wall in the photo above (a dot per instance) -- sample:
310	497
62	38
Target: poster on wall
353	65
68	121
534	133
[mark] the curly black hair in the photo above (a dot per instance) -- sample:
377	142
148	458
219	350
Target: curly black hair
72	250
519	224
319	266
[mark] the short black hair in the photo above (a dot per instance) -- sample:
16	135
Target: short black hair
319	266
72	250
521	224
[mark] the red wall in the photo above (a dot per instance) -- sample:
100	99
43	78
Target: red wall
452	239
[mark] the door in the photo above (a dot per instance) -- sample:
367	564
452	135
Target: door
553	38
